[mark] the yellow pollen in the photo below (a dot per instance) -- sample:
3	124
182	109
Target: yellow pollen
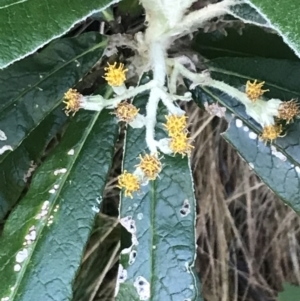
175	124
180	144
271	132
150	165
126	111
288	110
254	90
129	182
114	76
72	100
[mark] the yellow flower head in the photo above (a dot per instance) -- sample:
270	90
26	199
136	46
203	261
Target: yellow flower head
175	124
180	144
126	111
288	110
271	132
72	100
150	165
129	182
254	90
114	76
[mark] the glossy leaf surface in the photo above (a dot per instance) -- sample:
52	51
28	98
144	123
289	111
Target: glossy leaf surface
161	219
45	236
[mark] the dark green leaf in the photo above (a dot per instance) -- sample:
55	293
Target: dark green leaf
249	15
162	260
19	165
216	44
279	165
28	25
30	91
54	220
284	18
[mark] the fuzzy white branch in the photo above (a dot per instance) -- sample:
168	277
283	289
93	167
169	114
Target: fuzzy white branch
197	18
157	58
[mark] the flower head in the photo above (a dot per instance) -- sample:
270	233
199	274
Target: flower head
288	110
264	112
150	165
126	111
129	182
271	132
72	99
180	144
175	124
115	76
254	90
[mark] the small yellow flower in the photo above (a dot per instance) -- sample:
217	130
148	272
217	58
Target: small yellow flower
114	76
72	100
180	144
175	124
254	90
126	111
150	165
288	110
271	132
128	181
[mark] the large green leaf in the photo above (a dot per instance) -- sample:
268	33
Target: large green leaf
277	165
161	219
283	17
28	25
45	236
235	44
31	90
290	293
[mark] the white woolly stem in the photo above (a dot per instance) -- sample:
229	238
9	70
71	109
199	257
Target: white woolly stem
97	102
231	91
157	58
199	17
168	102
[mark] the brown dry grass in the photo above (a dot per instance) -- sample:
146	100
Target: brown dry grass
248	240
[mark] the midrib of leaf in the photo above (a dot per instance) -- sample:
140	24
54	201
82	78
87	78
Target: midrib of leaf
52	73
153	203
57	194
278	147
222	71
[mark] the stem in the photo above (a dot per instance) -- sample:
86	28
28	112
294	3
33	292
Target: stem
157	58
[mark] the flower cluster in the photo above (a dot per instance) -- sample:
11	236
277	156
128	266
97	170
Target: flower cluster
129	182
114	76
126	111
150	166
254	90
72	99
271	132
177	130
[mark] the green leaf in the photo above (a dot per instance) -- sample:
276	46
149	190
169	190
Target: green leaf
49	229
248	14
161	261
279	165
215	44
283	17
31	90
29	25
290	293
102	254
18	166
